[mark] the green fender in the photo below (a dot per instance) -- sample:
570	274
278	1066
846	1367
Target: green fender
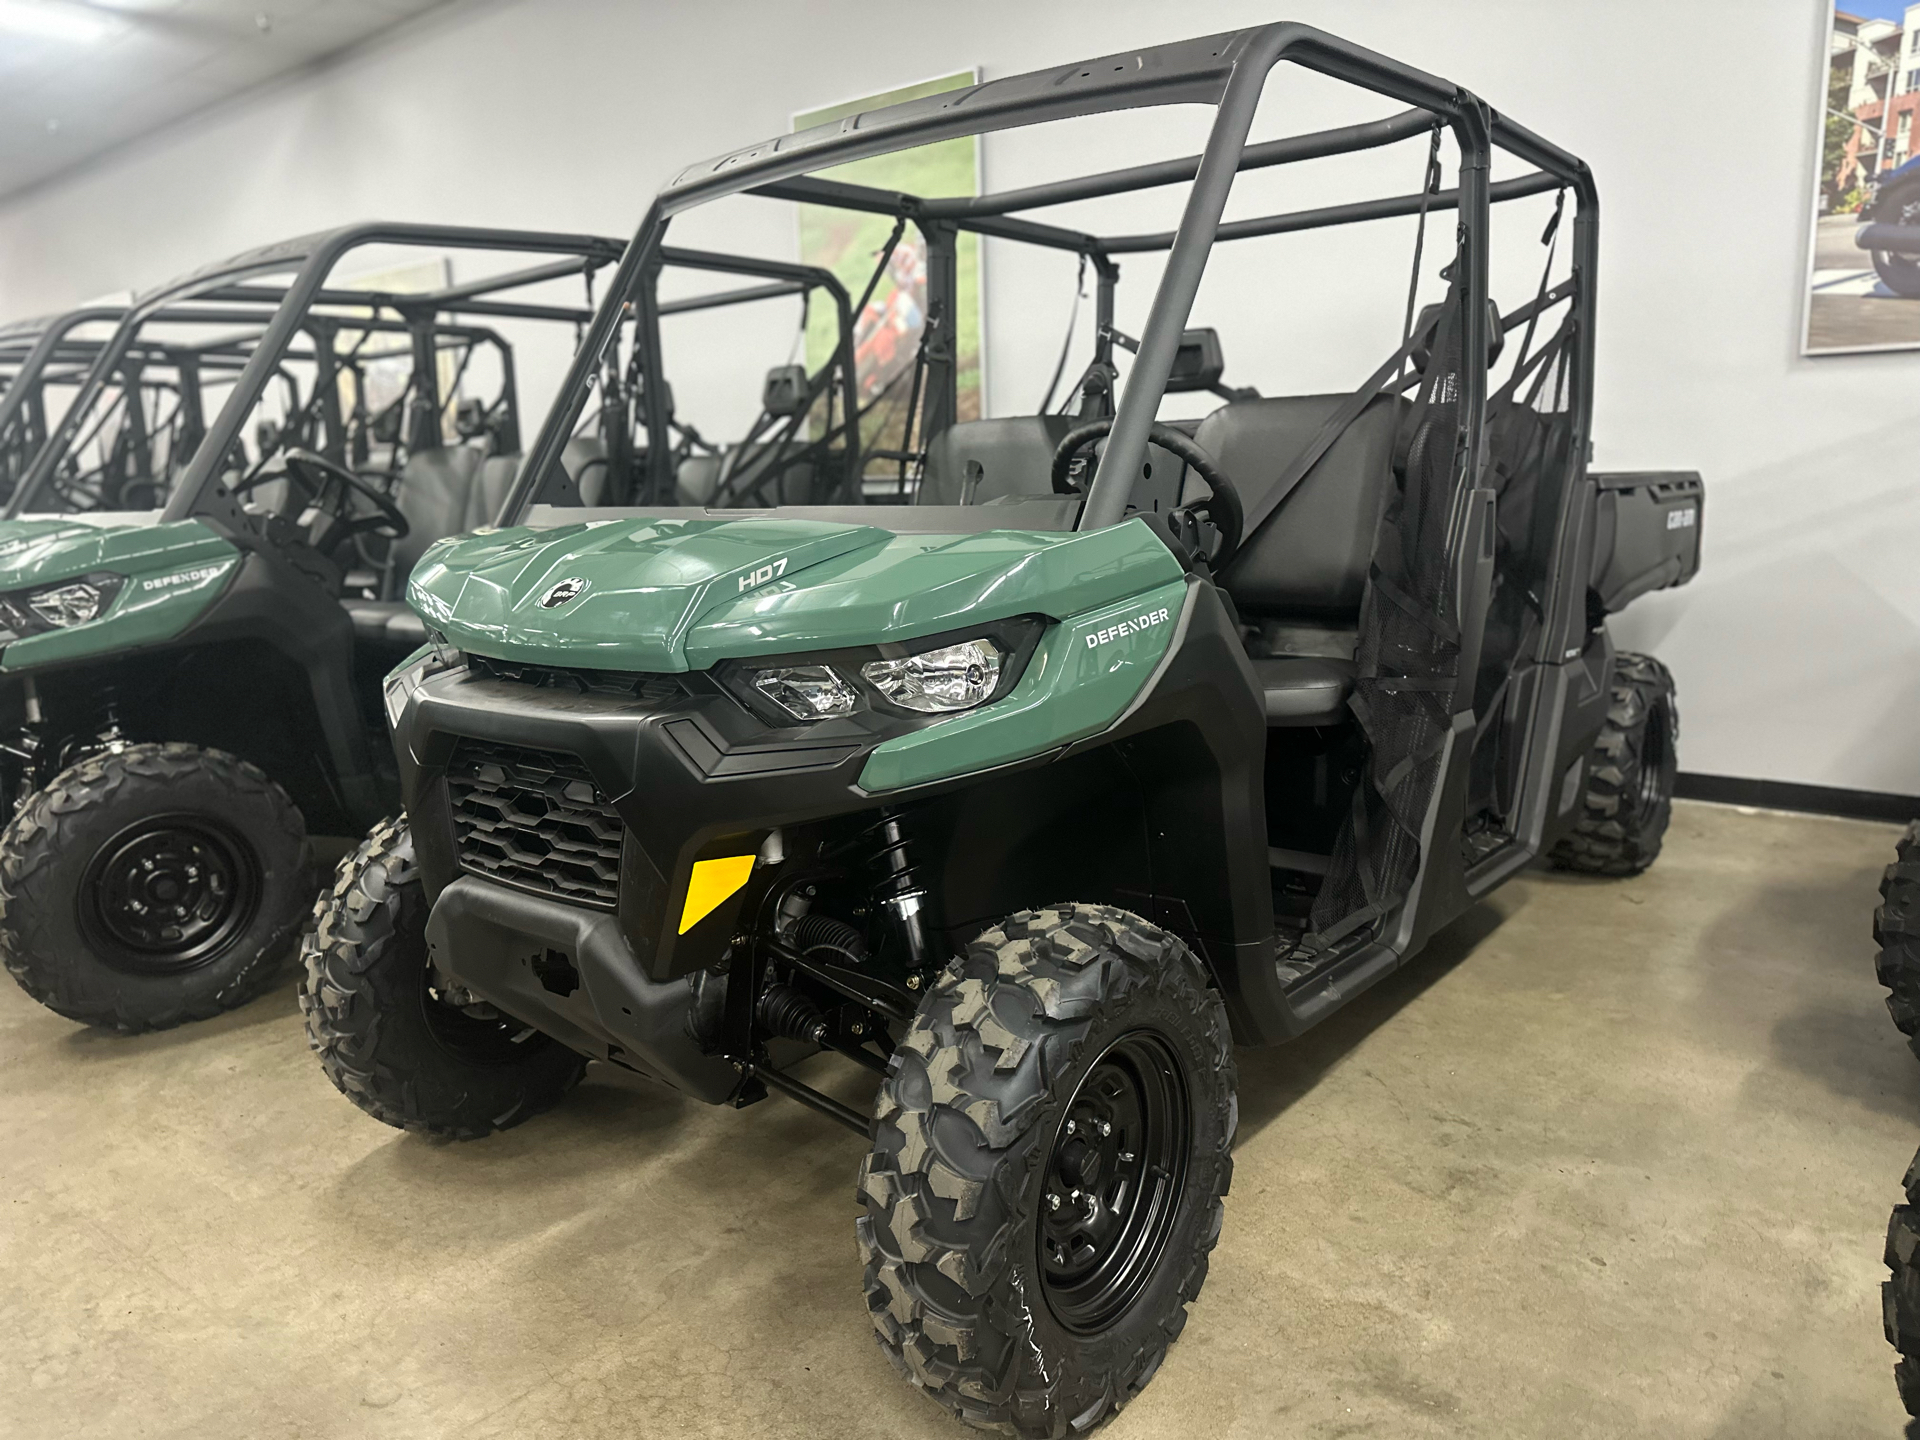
1084	674
172	574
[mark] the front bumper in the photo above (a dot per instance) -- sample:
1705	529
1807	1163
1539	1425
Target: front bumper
688	772
569	971
604	967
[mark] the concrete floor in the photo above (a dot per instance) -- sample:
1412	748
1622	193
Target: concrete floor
1611	1159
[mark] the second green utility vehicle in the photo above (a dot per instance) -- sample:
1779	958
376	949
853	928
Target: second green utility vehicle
219	505
1134	736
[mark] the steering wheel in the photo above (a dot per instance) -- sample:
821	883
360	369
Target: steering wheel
326	486
1222	507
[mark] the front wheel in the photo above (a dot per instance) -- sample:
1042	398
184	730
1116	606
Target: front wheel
150	885
1630	775
1900	1292
1051	1148
404	1048
1899	273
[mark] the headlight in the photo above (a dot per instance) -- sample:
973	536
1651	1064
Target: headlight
60	605
66	605
807	692
928	679
936	682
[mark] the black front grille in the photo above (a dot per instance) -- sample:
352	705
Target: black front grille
535	819
627	684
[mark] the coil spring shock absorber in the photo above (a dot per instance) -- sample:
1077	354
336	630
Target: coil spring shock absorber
899	889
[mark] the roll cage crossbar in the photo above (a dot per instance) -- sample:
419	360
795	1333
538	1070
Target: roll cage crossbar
1228	71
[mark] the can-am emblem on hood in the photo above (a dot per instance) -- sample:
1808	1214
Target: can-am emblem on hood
569	589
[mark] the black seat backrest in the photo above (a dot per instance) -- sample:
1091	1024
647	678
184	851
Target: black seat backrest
1015	453
585	459
1309	560
697	480
437	492
490	487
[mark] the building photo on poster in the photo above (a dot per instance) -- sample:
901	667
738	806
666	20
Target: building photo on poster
1863	287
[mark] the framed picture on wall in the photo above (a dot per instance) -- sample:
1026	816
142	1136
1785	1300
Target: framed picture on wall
1863	263
888	329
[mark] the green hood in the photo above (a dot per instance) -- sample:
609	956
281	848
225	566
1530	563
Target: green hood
655	594
171	572
44	548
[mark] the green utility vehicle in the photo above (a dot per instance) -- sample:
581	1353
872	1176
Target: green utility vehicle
1131	738
195	632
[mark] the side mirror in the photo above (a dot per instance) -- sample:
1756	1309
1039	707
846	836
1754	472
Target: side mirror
785	393
470	418
1198	364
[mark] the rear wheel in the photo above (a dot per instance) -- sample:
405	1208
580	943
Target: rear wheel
403	1047
1050	1152
1899	273
1630	775
1900	1294
151	885
1896	930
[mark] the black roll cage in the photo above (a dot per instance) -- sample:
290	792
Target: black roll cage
783	278
201	492
228	354
299	306
1228	71
224	352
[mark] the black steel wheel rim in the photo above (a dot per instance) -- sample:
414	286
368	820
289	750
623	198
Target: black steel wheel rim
1113	1182
169	894
474	1032
1655	757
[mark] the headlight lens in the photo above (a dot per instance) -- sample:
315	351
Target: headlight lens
71	604
945	678
807	692
937	682
60	605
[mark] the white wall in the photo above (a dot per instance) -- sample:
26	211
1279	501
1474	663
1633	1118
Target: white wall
1798	649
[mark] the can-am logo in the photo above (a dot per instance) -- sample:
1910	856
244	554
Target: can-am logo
1131	626
572	588
1681	519
184	577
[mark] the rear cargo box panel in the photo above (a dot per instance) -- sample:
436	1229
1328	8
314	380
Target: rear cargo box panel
1646	533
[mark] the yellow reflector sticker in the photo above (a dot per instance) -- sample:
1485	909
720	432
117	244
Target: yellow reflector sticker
713	881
